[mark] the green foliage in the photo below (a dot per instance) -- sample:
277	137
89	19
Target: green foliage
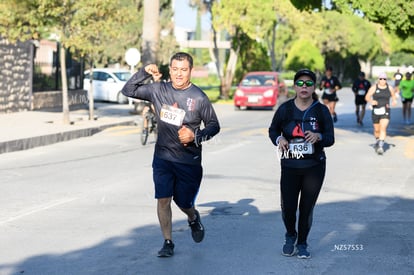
307	5
304	54
100	29
252	57
255	18
94	25
395	15
18	19
339	36
210	81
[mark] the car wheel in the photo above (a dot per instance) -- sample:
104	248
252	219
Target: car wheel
121	99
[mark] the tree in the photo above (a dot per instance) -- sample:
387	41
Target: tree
304	54
168	42
151	31
129	33
241	18
74	23
395	15
93	27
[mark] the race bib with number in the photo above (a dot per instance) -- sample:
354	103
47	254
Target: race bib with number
301	147
172	115
328	91
361	92
380	111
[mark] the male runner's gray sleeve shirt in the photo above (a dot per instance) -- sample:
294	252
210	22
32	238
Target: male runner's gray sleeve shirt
191	103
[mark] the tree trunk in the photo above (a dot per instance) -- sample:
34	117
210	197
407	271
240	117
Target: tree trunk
366	67
65	97
271	45
217	62
151	30
231	68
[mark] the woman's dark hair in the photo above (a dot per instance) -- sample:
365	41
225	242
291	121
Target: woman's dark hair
182	56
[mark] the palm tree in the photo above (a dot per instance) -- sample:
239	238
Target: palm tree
151	31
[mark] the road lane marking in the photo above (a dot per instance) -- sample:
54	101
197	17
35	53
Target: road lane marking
37	209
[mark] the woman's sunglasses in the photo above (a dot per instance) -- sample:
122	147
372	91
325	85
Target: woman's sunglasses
307	83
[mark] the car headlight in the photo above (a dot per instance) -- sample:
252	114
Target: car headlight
239	93
268	93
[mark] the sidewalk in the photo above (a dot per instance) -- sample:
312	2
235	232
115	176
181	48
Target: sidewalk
26	130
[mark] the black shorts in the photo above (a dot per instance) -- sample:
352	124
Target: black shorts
177	180
360	100
406	100
330	98
377	116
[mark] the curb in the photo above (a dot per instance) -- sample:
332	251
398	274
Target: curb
32	142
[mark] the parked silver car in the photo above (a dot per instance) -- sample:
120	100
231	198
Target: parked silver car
107	84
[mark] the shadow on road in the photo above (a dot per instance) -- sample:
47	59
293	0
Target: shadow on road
372	235
347	121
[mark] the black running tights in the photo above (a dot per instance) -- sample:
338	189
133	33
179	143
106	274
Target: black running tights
306	184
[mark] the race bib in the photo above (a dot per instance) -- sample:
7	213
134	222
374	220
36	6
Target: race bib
361	92
301	147
328	91
172	115
380	111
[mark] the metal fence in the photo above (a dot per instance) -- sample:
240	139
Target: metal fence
47	69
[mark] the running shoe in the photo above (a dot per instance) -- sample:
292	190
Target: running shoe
380	150
197	228
303	252
167	249
289	246
376	145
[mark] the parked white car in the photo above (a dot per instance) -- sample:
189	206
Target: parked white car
107	84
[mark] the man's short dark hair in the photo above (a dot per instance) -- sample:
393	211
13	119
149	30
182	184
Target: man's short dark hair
182	56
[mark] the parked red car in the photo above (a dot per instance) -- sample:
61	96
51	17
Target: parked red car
259	89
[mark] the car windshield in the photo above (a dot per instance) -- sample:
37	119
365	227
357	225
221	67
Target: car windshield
258	80
124	76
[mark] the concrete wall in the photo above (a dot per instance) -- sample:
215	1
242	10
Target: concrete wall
16	81
52	99
15	76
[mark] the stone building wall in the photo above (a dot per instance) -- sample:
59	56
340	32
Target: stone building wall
15	76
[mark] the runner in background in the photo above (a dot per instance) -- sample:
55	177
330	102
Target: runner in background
406	88
330	85
397	79
360	88
379	97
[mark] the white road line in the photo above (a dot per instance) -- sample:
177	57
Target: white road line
37	209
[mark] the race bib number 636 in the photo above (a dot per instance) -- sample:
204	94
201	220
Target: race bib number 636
301	147
172	115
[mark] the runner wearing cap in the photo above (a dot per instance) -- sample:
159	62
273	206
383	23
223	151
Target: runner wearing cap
301	128
379	97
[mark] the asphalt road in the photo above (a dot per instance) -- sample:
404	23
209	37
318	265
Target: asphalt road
86	206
